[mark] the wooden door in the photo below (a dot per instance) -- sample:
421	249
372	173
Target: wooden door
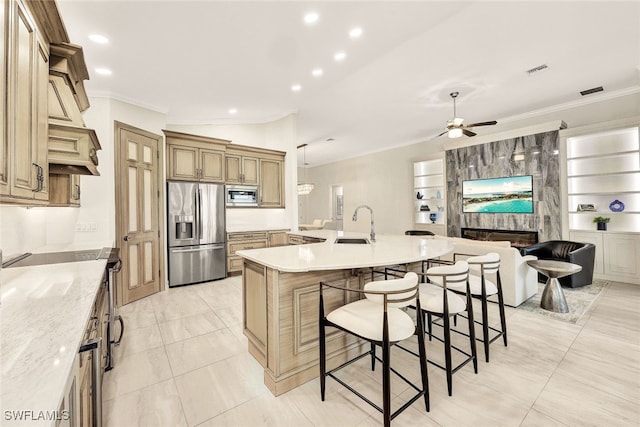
138	207
271	183
250	170
211	165
183	163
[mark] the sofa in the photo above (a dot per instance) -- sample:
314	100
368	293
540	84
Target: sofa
582	254
519	281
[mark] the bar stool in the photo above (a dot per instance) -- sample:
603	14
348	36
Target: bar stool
380	320
482	288
438	300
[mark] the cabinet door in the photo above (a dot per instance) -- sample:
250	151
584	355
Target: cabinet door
211	165
22	79
4	141
41	106
183	163
594	238
233	169
278	238
74	190
250	170
622	255
271	191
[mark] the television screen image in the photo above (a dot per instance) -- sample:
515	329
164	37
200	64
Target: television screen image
513	194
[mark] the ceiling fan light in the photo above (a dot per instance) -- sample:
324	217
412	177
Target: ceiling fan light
455	133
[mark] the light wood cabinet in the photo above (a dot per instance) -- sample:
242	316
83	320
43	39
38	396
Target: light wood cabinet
277	238
195	158
24	170
96	328
241	169
271	188
240	241
64	190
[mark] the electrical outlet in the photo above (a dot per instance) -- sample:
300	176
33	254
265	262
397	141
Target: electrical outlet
93	226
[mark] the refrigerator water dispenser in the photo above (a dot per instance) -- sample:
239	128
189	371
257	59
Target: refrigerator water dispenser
184	227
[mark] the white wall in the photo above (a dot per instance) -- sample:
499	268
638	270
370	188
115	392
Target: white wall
384	180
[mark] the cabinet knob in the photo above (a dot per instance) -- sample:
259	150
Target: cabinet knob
126	238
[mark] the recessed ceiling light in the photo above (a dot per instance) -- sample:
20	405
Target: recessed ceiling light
311	18
355	32
296	87
317	72
232	111
329	139
104	71
98	38
340	56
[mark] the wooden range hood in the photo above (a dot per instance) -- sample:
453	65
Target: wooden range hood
72	146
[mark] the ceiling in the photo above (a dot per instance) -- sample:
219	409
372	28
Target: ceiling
196	60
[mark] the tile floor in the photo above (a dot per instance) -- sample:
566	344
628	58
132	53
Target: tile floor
184	362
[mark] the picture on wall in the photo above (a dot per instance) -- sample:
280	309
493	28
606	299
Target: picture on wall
513	194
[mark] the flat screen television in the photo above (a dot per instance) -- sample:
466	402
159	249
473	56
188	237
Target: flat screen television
512	194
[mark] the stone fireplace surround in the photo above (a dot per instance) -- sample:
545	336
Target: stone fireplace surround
536	154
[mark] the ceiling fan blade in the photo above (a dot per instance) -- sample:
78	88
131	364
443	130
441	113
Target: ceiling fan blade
493	122
468	132
442	133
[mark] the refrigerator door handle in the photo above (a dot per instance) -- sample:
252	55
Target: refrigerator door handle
198	249
200	213
197	213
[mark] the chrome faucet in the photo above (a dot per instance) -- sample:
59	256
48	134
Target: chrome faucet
373	229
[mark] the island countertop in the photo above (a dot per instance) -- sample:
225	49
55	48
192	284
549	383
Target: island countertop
44	311
327	255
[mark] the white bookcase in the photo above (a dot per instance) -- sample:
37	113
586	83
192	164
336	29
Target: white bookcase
602	169
429	191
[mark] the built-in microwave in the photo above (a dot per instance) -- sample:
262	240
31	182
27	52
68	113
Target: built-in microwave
241	195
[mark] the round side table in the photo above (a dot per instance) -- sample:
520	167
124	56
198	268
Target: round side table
552	297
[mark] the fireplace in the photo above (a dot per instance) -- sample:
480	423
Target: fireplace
518	239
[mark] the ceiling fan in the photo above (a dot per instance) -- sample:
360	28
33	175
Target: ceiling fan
455	128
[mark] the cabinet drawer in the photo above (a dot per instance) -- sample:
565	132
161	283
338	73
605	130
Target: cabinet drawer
234	263
238	246
247	236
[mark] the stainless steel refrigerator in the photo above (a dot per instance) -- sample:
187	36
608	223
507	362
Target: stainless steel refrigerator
196	232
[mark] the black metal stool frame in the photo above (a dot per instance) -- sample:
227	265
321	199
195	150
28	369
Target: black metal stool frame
385	344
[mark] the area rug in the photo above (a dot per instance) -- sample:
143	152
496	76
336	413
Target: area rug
578	299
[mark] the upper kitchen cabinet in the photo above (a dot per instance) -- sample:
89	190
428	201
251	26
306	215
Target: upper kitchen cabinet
241	167
23	138
36	56
248	165
195	158
271	188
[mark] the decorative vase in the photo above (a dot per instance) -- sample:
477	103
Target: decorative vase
419	196
433	217
616	206
438	195
602	226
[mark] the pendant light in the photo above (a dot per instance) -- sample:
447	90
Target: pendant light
304	188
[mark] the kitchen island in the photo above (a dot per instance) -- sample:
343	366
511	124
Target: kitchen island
280	297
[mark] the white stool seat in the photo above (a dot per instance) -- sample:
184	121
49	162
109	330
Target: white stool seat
475	286
364	318
431	300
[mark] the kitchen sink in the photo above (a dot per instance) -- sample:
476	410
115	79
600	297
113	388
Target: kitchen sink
352	240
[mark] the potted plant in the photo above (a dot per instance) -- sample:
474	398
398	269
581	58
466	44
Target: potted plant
601	221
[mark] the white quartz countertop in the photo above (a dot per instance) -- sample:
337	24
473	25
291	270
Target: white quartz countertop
250	228
44	311
327	255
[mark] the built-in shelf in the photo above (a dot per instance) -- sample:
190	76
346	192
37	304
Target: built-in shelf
602	166
429	191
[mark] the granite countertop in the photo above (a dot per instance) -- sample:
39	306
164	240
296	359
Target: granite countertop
327	255
44	312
